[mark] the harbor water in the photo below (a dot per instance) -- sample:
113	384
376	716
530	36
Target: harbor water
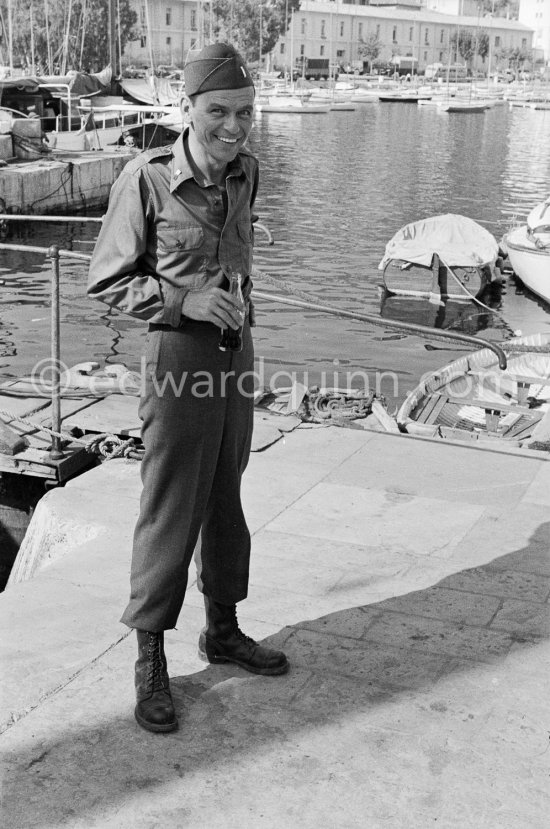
334	189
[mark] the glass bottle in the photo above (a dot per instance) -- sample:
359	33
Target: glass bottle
231	339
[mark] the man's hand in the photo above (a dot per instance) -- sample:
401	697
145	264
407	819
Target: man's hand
213	305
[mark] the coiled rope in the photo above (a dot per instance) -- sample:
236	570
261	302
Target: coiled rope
105	444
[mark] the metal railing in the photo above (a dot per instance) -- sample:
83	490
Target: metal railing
55	254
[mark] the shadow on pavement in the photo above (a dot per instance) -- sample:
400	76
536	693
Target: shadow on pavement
83	763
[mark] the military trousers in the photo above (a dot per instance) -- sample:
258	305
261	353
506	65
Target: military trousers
197	415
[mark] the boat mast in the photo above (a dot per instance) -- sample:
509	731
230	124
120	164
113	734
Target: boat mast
291	47
10	36
66	39
119	38
48	42
286	39
33	65
261	43
112	38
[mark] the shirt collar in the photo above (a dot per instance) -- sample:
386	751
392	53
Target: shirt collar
181	169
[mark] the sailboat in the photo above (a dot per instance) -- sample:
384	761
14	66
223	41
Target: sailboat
460	104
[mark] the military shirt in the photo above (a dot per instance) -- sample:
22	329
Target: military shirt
165	234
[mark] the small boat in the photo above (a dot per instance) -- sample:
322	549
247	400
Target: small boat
464	106
528	249
74	113
444	257
409	96
471	399
294	104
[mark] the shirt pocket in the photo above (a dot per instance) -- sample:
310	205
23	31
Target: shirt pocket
174	238
181	255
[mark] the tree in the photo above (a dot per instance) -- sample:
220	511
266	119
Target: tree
501	8
369	49
517	58
74	35
464	45
483	44
238	21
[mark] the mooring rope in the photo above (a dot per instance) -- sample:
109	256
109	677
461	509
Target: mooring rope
478	301
106	444
303	300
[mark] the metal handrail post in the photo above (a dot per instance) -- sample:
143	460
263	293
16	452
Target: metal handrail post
55	452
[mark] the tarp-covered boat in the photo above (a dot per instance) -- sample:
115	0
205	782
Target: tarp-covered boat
449	255
153	90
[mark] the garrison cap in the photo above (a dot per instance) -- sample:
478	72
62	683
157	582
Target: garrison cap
218	66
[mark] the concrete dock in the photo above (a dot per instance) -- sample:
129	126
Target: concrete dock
408	582
62	181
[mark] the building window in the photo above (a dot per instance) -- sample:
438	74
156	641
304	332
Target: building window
168	17
360	31
441	57
340	53
394	35
442	36
193	20
323	26
143	41
303	26
425	57
142	16
302	49
426	39
411	32
523	42
168	41
497	40
378	30
322	50
282	48
341	29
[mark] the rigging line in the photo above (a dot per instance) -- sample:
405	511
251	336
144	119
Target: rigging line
305	301
478	301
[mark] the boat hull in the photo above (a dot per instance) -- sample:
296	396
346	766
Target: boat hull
411	279
465	107
472	399
530	264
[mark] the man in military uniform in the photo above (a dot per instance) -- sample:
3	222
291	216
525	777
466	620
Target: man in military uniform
178	225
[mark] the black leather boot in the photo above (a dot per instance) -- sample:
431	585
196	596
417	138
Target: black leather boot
222	641
155	709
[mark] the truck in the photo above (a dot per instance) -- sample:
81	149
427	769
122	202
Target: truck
313	69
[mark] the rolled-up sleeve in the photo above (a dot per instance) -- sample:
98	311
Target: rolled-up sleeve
116	274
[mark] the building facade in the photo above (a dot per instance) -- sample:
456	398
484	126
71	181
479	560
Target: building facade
168	29
335	30
536	15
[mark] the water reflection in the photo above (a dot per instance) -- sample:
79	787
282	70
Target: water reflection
466	317
334	189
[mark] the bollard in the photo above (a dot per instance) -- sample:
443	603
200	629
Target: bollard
55	452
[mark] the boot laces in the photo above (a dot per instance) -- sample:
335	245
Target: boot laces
155	665
246	640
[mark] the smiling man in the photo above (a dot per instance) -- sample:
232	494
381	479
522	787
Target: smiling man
178	227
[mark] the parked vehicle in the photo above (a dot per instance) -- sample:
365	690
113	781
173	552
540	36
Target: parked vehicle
314	69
